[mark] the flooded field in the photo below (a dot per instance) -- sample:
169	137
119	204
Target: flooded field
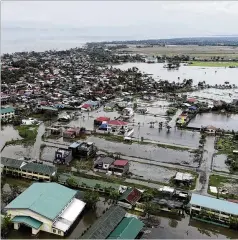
219	163
222	121
212	75
17	151
170	228
175	136
211	94
146	151
151	172
8	133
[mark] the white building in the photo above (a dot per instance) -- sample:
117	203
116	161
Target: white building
48	207
7	113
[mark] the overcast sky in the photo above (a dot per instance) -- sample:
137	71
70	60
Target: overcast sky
176	18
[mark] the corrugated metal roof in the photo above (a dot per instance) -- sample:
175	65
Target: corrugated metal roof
128	228
214	203
46	199
29	166
131	195
106	224
7	110
29	221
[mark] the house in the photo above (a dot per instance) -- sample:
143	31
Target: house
7	113
220	210
100	120
25	169
83	149
129	198
128	228
183	178
48	207
211	129
106	224
120	167
86	107
63	156
114	225
102	164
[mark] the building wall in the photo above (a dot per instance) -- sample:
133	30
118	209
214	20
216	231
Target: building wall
47	223
26	174
7	115
222	215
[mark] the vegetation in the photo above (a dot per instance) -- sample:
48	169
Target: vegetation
91	199
72	182
226	145
5	225
28	133
213	64
171	111
219	182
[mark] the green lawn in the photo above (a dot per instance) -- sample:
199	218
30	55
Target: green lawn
213	64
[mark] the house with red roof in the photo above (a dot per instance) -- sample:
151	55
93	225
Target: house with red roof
129	198
120	167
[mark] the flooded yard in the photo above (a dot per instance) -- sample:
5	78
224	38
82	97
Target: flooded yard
222	121
17	151
186	228
8	133
146	151
151	172
219	163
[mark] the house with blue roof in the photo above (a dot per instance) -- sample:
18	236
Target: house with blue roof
220	210
48	207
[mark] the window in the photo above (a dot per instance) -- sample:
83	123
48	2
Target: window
59	232
54	231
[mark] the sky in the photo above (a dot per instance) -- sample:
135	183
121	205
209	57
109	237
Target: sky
147	18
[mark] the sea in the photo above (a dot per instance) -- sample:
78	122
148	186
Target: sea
30	39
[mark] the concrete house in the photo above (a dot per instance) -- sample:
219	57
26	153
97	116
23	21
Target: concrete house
47	207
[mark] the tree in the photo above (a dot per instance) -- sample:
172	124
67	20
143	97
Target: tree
5	225
114	195
91	199
149	209
71	182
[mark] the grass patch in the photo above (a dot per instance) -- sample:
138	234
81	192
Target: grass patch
28	134
213	64
218	181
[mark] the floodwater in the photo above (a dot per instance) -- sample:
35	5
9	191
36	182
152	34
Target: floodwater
219	163
211	94
8	133
146	151
212	75
151	172
186	228
48	153
223	121
17	151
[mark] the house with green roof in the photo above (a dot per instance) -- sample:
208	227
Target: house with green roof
26	169
7	113
48	207
114	225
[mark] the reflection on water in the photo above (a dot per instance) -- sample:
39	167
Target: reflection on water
170	228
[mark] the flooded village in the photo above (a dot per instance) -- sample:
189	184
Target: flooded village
99	142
